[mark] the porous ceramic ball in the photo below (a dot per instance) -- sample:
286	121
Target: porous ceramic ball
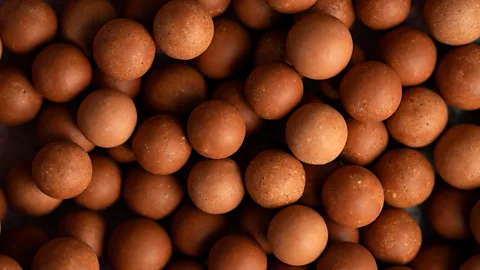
61	72
255	14
340	9
8	263
394	237
129	87
123	49
254	220
270	47
297	235
315	176
25	24
319	46
420	119
62	170
107	117
316	133
186	265
291	7
19	101
453	23
275	178
338	233
457	77
139	244
183	29
122	153
142	11
346	256
215	7
456	156
22	243
371	91
475	221
382	14
472	263
438	256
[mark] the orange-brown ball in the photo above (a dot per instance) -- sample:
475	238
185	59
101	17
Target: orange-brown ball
255	14
22	243
346	256
215	7
340	9
8	263
338	233
254	220
129	87
472	263
122	153
291	7
315	176
382	14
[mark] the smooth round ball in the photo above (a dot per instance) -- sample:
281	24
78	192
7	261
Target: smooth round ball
19	101
438	256
122	153
25	24
123	49
338	233
111	110
457	155
319	46
105	187
130	87
475	221
420	119
316	133
215	7
255	14
340	9
160	145
346	256
8	263
371	91
236	252
62	170
382	14
315	176
61	72
142	11
291	7
472	263
297	235
365	142
453	22
275	178
273	90
254	220
192	239
22	243
183	29
216	129
85	226
270	47
457	77
352	196
407	177
186	265
65	253
394	237
152	196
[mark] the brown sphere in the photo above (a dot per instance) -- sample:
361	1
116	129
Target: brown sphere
457	154
62	169
438	257
315	176
19	101
183	29
139	244
319	46
371	91
24	195
123	49
160	145
194	232
237	252
407	177
457	77
22	243
411	53
394	237
453	22
255	14
475	221
215	7
338	233
152	196
26	24
297	235
340	9
3	204
142	11
61	72
472	263
105	187
270	47
382	14
7	263
254	220
273	90
112	110
291	7
176	89
186	265
81	20
122	153
275	178
216	129
316	133
420	118
130	87
365	142
352	196
346	256
85	226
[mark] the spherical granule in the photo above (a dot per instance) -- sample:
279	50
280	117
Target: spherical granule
316	133
297	235
270	47
122	153
456	156
315	176
123	49
107	117
62	170
273	90
8	263
129	87
19	101
61	72
160	145
255	14
340	9
394	237
254	221
319	46
291	6
105	187
338	233
186	265
352	196
475	221
346	256
472	263
152	196
274	179
382	14
371	91
407	177
215	7
438	256
22	243
142	11
183	29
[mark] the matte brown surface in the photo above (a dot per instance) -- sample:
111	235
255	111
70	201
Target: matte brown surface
340	9
122	153
255	14
475	221
130	87
254	220
346	256
215	7
270	47
3	204
142	11
472	263
291	6
276	264
338	233
439	257
8	263
186	265
382	14
315	176
22	243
